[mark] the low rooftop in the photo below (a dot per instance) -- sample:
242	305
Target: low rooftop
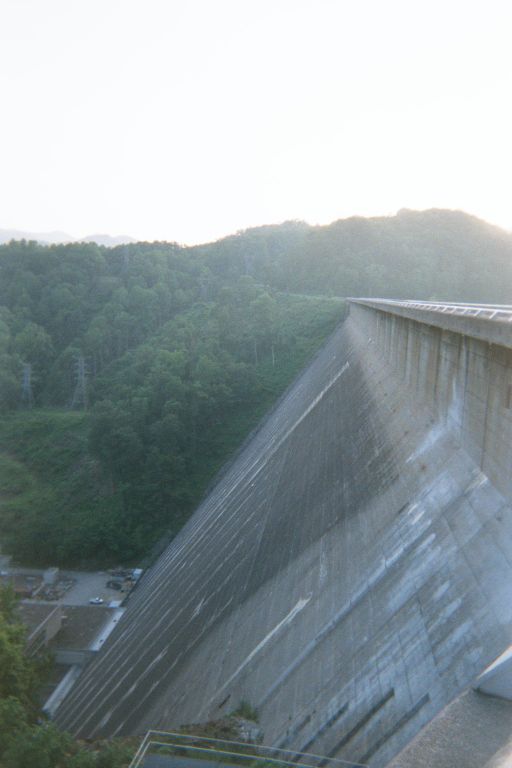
34	614
81	625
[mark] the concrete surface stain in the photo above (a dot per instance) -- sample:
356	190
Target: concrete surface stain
297	608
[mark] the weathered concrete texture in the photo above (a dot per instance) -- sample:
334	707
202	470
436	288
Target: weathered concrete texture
491	326
349	575
474	731
466	382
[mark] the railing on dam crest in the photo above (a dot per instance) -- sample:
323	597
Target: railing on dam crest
162	749
488	322
497	312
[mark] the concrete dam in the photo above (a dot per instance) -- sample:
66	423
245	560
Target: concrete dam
351	571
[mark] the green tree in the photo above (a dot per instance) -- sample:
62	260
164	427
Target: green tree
39	745
26	739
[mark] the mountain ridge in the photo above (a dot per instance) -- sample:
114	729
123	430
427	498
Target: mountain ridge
56	237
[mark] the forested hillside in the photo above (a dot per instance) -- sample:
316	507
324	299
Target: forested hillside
179	363
431	254
129	375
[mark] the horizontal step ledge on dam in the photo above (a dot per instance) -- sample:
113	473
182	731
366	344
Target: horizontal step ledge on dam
488	322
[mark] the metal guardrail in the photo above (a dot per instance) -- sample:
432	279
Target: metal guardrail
495	312
179	745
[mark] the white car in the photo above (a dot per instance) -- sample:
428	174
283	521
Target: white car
96	601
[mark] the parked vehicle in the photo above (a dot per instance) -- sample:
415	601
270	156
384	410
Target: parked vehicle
96	601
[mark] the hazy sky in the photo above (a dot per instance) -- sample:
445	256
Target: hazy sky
189	119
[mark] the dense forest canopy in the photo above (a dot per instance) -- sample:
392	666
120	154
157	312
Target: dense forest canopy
128	375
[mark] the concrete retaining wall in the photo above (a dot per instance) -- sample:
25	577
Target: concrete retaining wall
466	381
350	573
71	658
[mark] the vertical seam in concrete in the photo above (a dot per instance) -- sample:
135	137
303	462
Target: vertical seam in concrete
439	344
484	430
463	351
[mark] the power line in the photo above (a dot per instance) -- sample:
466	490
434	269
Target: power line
27	397
80	394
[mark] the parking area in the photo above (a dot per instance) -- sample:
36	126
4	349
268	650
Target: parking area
107	588
88	586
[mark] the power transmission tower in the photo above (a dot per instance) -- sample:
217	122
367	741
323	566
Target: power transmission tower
80	393
27	397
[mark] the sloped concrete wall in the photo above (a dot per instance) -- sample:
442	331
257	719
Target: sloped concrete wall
350	573
466	381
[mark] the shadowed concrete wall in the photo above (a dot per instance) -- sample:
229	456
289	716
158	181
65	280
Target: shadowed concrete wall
467	382
352	570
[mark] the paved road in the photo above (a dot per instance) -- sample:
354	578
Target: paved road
88	585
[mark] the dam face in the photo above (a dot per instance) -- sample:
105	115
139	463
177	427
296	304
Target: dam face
351	572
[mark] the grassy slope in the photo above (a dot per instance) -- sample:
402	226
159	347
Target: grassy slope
47	478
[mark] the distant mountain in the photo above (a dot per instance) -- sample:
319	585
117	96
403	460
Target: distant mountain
6	235
108	240
60	238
